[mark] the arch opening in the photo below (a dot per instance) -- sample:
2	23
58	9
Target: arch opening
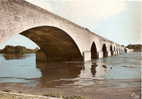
111	50
94	53
114	53
55	44
104	50
125	50
117	51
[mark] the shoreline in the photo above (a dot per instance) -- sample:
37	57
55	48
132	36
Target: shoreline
88	92
9	95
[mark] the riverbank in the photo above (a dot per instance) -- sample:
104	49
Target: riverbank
88	92
7	95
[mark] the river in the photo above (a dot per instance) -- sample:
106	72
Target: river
26	70
116	72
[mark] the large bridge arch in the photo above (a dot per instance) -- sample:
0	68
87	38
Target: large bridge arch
55	43
21	16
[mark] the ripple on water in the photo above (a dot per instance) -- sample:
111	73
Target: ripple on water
117	71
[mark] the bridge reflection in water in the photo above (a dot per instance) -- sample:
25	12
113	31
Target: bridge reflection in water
24	69
57	73
66	73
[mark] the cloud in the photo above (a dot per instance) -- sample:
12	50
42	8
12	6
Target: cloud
126	25
78	10
136	0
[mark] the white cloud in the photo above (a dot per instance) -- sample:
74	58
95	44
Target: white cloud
136	0
78	10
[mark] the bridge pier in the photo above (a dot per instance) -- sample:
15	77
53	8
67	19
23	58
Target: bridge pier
41	56
87	56
86	71
109	53
100	54
115	53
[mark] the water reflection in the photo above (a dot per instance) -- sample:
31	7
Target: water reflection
52	74
93	70
73	73
13	56
55	74
18	70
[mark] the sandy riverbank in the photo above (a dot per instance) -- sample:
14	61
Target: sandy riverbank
88	92
10	95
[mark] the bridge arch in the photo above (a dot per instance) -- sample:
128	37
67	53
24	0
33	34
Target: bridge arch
125	50
94	52
114	48
56	44
111	50
104	50
117	51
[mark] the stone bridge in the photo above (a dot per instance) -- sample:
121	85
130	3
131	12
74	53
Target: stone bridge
58	38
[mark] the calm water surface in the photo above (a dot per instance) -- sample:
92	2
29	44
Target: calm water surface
117	71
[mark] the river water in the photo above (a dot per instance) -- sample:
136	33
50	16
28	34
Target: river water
116	71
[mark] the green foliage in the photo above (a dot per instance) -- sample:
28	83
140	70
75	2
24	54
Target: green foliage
135	47
17	50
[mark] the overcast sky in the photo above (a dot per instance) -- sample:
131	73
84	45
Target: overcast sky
117	20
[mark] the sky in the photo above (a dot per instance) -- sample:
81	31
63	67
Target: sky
117	20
